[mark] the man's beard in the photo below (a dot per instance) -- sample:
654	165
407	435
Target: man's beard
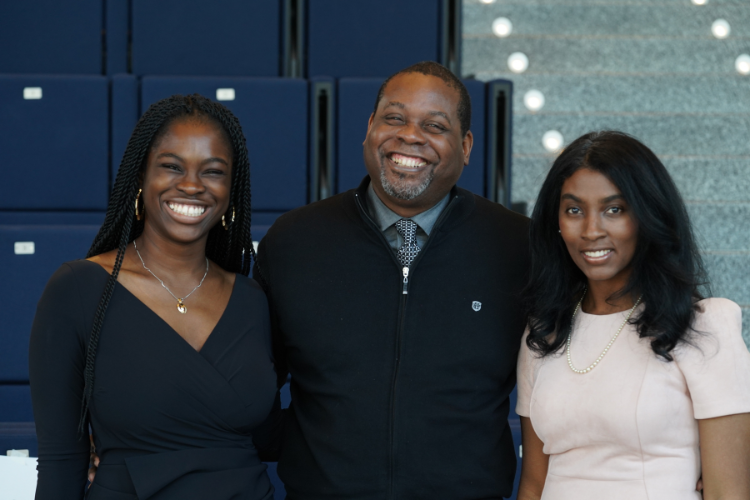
402	189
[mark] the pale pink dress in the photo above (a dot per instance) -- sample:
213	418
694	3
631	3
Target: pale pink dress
627	429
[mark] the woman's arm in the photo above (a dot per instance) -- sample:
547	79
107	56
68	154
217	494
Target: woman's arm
534	463
56	361
267	436
725	457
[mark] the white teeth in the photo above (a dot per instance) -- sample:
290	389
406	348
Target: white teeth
407	162
598	253
189	210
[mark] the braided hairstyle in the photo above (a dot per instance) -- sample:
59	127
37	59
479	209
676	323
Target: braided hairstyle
232	249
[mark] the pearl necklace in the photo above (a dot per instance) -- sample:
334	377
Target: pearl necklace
593	365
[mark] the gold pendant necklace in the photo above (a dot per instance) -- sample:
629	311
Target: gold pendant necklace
180	304
606	349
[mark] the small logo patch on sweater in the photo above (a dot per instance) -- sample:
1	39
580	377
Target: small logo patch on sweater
476	305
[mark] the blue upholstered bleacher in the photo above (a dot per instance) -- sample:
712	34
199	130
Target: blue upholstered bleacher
18	436
515	429
356	99
54	139
124	115
67	38
61	152
117	30
51	218
370	39
474	174
24	276
195	37
16	405
273	114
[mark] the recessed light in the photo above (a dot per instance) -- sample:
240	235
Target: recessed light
534	100
518	62
502	27
720	28
552	140
742	64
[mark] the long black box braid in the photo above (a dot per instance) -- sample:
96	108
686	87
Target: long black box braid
232	249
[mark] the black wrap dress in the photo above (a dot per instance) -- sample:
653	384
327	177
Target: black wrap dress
169	422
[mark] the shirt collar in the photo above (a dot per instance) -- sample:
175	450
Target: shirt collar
385	217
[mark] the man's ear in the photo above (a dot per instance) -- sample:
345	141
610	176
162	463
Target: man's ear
466	144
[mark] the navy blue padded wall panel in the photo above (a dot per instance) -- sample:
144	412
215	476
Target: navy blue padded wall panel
273	114
50	36
515	429
52	218
196	37
24	279
265	218
513	400
15	404
473	176
117	24
55	149
124	116
279	492
18	436
370	38
356	99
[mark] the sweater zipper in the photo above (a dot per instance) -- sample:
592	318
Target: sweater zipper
405	270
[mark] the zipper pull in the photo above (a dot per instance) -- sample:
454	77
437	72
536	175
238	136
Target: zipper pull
406	279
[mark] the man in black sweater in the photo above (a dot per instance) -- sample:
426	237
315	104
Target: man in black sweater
395	309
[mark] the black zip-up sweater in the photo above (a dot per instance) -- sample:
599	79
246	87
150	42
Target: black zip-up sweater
396	395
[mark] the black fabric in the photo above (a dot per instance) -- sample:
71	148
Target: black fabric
396	396
168	422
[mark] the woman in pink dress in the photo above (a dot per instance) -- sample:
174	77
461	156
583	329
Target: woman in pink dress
631	384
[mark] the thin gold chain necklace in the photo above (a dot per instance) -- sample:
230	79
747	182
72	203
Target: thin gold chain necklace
606	349
180	305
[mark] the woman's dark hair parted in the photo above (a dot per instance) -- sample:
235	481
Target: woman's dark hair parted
232	249
667	267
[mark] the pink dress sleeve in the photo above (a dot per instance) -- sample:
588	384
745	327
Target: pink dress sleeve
526	376
717	366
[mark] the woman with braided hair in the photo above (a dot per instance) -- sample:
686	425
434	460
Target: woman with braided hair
158	341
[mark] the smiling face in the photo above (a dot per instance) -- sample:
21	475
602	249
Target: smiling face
598	228
187	181
414	150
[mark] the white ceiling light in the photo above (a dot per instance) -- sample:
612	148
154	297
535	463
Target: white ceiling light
518	62
552	140
742	64
534	100
700	2
720	28
487	1
502	27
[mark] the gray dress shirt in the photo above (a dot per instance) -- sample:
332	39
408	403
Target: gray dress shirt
386	219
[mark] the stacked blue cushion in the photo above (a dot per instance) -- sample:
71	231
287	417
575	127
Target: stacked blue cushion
55	142
273	114
195	37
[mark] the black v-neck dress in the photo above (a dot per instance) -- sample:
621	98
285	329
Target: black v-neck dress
169	422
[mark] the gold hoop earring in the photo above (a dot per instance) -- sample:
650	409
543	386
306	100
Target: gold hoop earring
138	215
223	222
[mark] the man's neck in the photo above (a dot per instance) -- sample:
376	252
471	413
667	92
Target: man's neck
404	208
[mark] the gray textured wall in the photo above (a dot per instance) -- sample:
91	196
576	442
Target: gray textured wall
651	68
